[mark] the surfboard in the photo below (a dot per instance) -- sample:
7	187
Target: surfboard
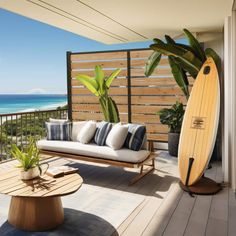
200	124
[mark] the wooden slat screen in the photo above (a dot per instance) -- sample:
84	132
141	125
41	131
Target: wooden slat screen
85	106
147	95
150	94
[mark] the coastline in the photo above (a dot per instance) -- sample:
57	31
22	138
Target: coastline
18	103
6	116
44	108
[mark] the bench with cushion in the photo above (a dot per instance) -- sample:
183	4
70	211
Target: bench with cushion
92	152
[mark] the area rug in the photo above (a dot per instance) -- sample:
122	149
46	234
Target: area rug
92	211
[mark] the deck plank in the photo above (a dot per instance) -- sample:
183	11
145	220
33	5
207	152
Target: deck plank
166	209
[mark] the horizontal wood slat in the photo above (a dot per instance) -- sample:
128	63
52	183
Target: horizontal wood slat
160	100
95	108
149	109
156	91
94	100
145	118
112	91
141	53
98	56
142	62
91	72
116	82
148	94
152	82
105	64
94	116
156	128
159	71
158	137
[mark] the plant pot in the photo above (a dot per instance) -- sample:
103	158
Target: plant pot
29	174
173	143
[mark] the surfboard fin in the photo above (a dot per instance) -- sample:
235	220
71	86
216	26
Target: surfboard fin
190	164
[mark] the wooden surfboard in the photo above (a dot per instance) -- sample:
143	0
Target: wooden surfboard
200	124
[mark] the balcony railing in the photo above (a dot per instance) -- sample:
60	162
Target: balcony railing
18	127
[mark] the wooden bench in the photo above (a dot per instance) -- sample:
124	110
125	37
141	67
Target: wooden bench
145	166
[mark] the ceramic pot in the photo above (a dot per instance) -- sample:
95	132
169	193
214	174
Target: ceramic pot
173	143
29	174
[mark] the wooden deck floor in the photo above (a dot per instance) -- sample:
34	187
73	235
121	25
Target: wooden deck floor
166	210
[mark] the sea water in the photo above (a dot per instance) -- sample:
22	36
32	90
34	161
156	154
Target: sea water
11	103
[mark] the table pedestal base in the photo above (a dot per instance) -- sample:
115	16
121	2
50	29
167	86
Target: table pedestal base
36	213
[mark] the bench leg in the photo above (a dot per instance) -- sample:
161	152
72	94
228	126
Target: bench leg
144	170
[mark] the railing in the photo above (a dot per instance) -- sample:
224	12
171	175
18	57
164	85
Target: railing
18	127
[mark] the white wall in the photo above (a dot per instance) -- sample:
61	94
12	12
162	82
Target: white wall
230	100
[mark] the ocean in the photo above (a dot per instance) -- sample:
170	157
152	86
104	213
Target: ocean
11	103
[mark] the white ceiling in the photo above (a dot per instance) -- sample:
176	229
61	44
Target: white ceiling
120	21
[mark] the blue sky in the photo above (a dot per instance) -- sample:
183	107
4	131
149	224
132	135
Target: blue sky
33	54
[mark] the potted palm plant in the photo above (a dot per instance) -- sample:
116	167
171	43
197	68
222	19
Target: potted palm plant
99	85
29	160
173	117
184	60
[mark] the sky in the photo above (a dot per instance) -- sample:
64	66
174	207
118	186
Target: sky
33	54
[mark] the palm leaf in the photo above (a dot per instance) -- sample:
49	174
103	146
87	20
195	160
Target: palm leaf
89	83
192	71
156	40
99	76
112	77
169	39
152	63
113	111
195	45
179	75
172	50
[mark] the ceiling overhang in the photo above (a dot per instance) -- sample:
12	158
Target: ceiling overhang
125	21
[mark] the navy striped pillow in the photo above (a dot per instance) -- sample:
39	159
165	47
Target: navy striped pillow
135	137
58	131
102	131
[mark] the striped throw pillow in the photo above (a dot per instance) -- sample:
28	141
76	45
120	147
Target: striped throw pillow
135	137
58	131
103	129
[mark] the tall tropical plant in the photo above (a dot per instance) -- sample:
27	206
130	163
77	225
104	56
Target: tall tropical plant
99	85
184	60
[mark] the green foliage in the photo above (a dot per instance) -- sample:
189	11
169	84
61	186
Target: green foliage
179	75
28	157
25	125
195	45
152	63
173	117
184	59
99	85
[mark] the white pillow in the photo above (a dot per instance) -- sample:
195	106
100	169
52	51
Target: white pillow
76	128
87	132
58	120
117	136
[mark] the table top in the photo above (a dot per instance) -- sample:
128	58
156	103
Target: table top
43	186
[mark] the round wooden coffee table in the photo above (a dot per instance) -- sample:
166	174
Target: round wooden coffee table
36	204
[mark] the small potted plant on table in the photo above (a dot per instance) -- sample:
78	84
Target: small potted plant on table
29	160
173	117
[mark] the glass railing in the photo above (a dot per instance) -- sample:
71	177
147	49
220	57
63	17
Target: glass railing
19	127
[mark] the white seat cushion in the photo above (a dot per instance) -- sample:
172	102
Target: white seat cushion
94	150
